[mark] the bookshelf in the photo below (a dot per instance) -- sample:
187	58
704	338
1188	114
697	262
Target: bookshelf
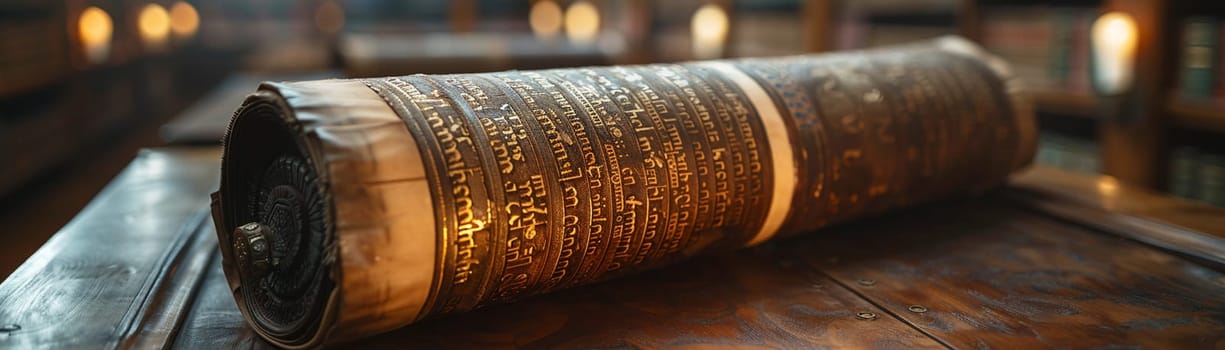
1201	115
1071	104
1150	147
58	102
1162	122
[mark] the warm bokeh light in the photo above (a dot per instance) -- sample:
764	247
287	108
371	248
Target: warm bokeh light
1108	188
330	17
1114	37
709	30
582	22
545	19
154	25
94	28
1108	185
184	20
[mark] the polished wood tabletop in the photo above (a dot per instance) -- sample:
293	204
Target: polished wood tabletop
1053	260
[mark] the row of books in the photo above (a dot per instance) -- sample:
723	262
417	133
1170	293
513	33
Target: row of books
855	34
860	30
33	54
871	23
1198	175
1194	173
1068	153
1047	46
1200	75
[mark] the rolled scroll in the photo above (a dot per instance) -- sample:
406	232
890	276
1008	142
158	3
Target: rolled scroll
352	207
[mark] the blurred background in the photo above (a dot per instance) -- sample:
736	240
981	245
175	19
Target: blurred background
84	84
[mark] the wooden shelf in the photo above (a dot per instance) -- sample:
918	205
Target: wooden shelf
1066	103
1199	115
902	6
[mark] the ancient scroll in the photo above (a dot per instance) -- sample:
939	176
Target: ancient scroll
353	207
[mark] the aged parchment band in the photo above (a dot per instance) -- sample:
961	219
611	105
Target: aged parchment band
781	155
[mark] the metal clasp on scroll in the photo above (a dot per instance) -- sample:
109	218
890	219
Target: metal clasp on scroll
253	247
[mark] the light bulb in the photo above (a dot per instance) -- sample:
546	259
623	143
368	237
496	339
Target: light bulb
1114	37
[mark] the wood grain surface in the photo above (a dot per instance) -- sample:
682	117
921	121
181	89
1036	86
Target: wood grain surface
752	299
1106	193
1180	226
139	269
985	274
96	282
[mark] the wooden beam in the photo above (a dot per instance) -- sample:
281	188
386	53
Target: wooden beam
969	23
819	25
1132	147
639	31
463	15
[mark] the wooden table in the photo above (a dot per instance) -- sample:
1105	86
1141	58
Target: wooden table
205	121
1055	259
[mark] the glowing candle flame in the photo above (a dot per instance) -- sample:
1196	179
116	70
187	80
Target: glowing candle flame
709	30
545	19
184	20
1114	52
94	28
582	22
154	24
